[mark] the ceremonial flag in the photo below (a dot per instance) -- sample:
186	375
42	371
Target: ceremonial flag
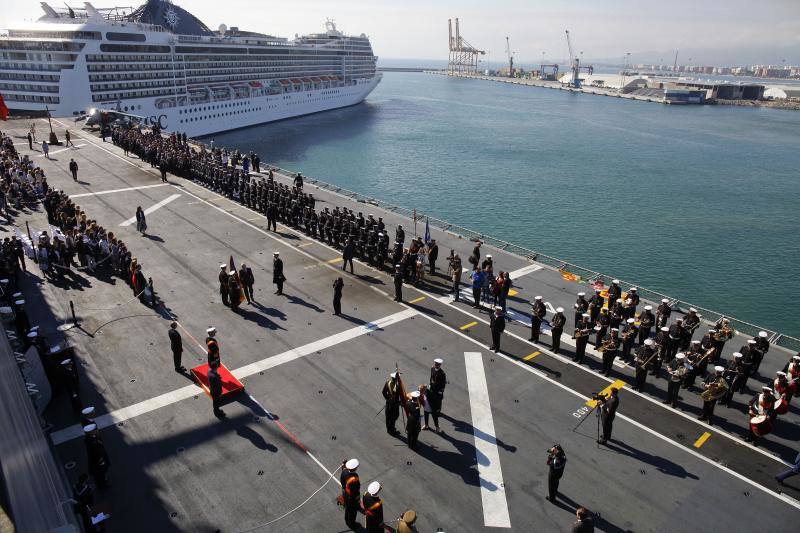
569	276
238	281
3	108
427	231
402	390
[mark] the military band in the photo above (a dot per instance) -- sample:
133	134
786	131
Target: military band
601	327
646	322
581	336
581	306
557	328
538	312
596	303
609	349
677	370
715	388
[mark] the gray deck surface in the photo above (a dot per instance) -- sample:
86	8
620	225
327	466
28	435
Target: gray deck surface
177	467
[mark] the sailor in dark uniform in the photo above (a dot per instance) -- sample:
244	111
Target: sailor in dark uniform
581	306
610	349
614	292
373	508
176	344
581	338
223	283
277	272
398	284
644	357
762	345
646	322
391	394
662	313
601	327
497	324
97	458
351	493
608	410
629	333
436	387
677	371
633	302
557	328
212	346
595	305
538	312
413	422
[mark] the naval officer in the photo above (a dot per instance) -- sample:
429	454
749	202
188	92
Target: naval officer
277	272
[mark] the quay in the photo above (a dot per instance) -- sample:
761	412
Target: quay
313	383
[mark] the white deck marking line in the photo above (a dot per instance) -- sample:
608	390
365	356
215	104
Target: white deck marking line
53	152
490	473
163	400
112	191
524	270
152	208
678	445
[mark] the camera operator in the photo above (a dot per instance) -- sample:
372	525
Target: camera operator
556	460
608	410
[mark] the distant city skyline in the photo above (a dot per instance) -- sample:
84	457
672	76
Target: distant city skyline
730	33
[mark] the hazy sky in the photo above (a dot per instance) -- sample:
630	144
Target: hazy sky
708	31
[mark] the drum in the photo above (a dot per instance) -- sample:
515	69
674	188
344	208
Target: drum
782	406
760	425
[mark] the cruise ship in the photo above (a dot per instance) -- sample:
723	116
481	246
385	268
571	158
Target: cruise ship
160	62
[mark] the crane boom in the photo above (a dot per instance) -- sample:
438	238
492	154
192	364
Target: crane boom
569	45
510	56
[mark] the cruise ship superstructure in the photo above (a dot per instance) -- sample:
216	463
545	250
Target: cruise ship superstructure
160	62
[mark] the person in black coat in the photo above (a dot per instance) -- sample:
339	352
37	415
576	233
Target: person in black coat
223	283
176	344
436	387
413	424
348	252
97	457
398	284
497	324
73	168
248	280
556	461
277	272
433	255
608	410
338	284
584	522
215	388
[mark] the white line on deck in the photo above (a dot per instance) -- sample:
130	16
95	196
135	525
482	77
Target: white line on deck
146	406
112	191
493	492
524	270
62	150
150	209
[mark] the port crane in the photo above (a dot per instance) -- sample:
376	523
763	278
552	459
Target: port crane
575	64
510	56
548	71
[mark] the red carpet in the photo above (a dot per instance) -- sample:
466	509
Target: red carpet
230	385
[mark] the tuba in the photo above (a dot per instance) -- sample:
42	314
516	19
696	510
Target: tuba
715	391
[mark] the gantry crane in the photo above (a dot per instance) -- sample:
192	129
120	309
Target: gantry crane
575	64
510	56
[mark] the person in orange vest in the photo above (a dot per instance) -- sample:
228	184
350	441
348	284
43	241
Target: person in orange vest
351	490
373	508
212	346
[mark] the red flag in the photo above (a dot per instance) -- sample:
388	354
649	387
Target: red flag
238	281
3	108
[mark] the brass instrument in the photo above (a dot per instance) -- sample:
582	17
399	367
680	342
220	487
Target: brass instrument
705	356
714	391
680	372
631	332
644	365
580	333
608	344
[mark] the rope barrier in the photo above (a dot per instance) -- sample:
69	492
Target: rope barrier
287	513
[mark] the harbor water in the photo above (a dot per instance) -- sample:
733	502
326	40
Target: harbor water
698	202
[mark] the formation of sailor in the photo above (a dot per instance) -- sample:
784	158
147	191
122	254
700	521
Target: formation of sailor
581	336
557	328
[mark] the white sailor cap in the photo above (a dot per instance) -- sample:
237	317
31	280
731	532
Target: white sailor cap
796	357
736	355
380	234
393	375
633	289
780	373
89	428
537	298
680	356
719	369
276	253
581	294
397	266
232	273
17	295
4	281
762	334
66	362
695	341
374	488
679	320
664	300
414	394
498	308
32	334
559	310
88	411
438	360
649	342
488	256
615	281
212	329
648	307
692	310
587	315
665	329
712	330
631	321
223	265
619	300
767	389
352	464
19	302
751	341
614	329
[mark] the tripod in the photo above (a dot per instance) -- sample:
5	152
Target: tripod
597	415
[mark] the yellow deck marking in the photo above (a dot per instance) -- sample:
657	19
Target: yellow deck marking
617	384
336	260
415	300
467	326
512	292
531	356
703	438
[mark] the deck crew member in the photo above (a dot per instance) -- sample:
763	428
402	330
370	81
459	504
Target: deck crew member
538	312
581	306
677	372
557	328
608	410
609	348
212	346
436	387
646	322
277	272
581	338
595	305
373	508
556	461
715	388
391	393
497	324
223	283
97	458
351	492
176	344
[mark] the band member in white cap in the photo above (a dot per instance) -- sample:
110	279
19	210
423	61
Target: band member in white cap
601	327
631	302
595	305
761	349
734	376
557	328
628	332
436	387
413	422
373	508
761	404
215	388
538	312
646	322
223	283
690	324
614	291
351	492
715	388
497	324
645	355
398	283
663	312
391	393
677	372
97	459
212	345
277	272
581	306
581	338
71	382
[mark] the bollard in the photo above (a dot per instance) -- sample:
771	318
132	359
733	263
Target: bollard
74	318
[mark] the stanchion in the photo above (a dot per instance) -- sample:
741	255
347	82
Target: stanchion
74	318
